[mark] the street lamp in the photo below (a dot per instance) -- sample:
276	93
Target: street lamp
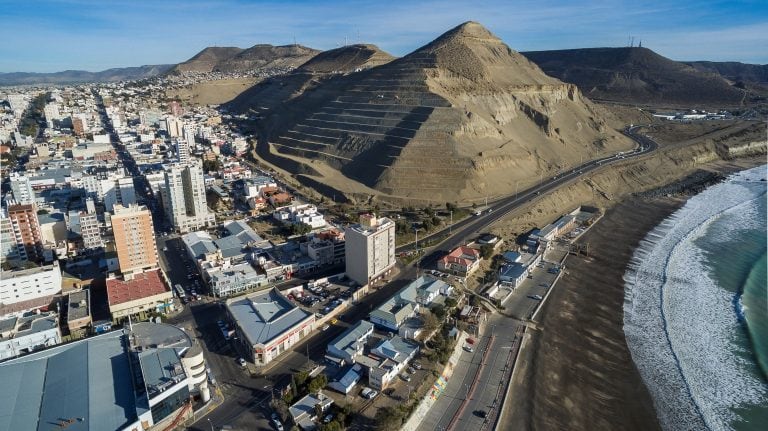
210	423
450	227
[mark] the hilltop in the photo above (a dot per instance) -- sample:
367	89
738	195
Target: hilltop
234	59
638	76
461	118
207	59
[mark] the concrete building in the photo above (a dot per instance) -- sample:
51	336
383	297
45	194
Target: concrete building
20	335
183	198
387	360
8	249
407	301
268	324
134	239
182	151
228	279
86	225
120	380
21	188
370	248
306	213
26	284
79	310
144	293
51	112
173	126
26	232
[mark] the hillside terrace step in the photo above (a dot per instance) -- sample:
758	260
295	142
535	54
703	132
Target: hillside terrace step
358	132
370	113
329	140
358	119
383	107
291	150
355	127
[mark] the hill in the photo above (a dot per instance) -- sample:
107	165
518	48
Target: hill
266	56
82	76
207	59
272	92
637	75
462	118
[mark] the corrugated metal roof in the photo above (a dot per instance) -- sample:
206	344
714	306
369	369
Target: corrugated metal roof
265	316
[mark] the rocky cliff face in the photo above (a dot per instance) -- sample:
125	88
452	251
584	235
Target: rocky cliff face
460	117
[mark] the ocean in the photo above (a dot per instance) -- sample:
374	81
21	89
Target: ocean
696	309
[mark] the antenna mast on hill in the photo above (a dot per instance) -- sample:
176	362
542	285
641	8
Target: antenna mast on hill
294	39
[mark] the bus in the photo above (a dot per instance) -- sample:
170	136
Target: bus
179	291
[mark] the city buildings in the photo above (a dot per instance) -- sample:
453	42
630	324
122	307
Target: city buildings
140	295
370	248
26	232
21	188
78	310
305	213
134	239
183	198
26	334
88	227
139	379
27	284
350	344
268	324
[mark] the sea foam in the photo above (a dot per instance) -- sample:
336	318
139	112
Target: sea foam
679	323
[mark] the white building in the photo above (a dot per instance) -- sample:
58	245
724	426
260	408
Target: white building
305	213
183	198
52	114
86	225
370	248
22	189
182	151
20	335
26	284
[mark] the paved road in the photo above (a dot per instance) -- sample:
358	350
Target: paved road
471	226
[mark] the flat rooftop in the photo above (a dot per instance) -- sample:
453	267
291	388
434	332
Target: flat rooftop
79	305
161	369
264	316
142	286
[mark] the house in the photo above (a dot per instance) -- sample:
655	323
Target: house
511	256
347	379
406	302
460	261
513	273
145	292
388	359
304	412
349	345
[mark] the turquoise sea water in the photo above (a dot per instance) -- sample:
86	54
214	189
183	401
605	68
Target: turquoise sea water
734	251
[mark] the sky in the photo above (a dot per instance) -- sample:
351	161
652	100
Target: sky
55	35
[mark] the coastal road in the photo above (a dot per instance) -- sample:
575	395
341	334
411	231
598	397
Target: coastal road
246	392
473	225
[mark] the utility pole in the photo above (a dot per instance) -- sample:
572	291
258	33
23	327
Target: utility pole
450	227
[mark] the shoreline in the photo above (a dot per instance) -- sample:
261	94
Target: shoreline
576	371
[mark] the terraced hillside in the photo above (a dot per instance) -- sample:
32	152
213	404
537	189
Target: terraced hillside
327	64
461	118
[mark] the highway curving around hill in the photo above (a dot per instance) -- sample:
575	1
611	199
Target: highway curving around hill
469	227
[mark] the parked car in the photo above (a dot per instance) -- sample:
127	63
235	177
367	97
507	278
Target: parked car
241	362
417	365
368	393
468	348
325	327
277	424
328	418
405	377
536	297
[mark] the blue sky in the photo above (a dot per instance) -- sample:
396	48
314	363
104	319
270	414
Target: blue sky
47	36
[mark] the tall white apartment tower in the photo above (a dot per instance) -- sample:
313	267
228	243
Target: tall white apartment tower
370	248
182	151
183	195
22	189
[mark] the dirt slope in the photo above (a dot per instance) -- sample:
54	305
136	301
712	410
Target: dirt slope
637	75
464	116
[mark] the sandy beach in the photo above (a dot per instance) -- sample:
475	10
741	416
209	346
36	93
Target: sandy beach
577	372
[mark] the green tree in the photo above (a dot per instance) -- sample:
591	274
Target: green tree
300	229
430	321
301	378
211	165
317	383
389	419
450	302
439	312
331	426
486	251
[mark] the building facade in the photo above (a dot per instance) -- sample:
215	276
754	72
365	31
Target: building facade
369	248
23	285
183	196
134	239
26	232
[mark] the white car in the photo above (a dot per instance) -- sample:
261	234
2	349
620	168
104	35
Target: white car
368	393
241	362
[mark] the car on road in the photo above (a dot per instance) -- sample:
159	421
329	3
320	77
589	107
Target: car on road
411	370
165	248
325	327
405	377
368	393
480	413
277	424
334	321
275	416
468	348
536	297
241	362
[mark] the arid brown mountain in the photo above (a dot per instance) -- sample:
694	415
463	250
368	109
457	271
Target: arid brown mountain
638	75
266	56
233	59
276	90
207	59
463	117
82	76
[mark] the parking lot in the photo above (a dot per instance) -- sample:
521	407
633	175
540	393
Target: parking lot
322	298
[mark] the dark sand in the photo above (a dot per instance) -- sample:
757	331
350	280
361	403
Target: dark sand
576	372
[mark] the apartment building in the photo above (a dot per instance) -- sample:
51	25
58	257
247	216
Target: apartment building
370	248
134	239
